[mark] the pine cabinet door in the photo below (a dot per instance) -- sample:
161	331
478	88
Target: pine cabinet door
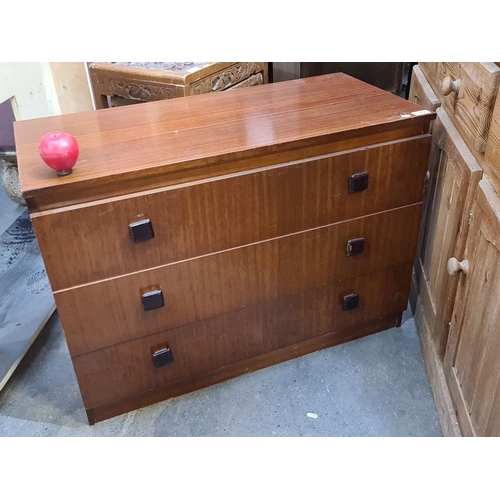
472	359
452	184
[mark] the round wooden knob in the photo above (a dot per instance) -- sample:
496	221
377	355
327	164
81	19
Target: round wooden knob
454	266
448	86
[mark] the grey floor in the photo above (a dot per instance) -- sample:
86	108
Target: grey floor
376	386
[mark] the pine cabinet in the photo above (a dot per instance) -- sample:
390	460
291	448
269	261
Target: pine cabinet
456	290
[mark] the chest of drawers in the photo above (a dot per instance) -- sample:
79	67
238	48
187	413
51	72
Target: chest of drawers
202	238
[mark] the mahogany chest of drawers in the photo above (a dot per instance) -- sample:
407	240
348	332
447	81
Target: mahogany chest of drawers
202	238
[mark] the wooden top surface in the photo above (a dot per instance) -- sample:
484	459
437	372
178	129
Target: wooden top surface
150	140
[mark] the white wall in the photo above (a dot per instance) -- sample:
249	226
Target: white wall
45	89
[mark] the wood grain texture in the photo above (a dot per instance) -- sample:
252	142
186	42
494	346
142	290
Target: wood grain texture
214	215
421	92
450	192
434	367
126	369
470	108
127	148
206	169
208	286
491	162
161	393
471	361
229	78
247	193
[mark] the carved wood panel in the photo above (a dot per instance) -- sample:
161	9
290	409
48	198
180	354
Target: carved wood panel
225	79
128	83
257	79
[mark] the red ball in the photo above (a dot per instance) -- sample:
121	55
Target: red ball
59	150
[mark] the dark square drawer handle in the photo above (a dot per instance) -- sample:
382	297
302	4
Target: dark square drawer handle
141	230
355	246
350	302
163	357
358	182
152	300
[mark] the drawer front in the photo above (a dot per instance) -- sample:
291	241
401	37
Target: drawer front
468	92
128	369
257	79
135	305
229	77
203	217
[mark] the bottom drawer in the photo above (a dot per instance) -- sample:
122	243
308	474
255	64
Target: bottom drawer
127	370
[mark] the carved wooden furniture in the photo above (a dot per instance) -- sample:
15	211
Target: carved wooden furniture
200	239
456	291
134	82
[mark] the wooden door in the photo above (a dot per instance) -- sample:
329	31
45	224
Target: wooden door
472	360
452	183
421	93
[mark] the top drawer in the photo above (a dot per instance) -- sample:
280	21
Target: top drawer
467	91
93	241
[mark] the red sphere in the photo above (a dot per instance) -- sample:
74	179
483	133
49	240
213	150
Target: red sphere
59	150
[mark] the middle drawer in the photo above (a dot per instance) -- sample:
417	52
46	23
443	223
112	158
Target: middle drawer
131	306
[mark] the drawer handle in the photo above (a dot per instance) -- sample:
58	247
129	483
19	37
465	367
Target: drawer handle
152	300
454	266
355	246
448	86
358	182
350	302
141	230
163	357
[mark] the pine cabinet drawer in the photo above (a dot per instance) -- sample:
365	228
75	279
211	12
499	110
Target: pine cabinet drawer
184	354
209	216
468	92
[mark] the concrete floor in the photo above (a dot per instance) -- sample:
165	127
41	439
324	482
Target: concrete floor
375	386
